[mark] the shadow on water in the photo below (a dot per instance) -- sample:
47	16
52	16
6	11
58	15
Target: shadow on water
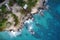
36	35
38	25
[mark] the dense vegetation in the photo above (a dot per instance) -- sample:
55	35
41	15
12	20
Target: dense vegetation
3	9
11	2
3	20
2	24
31	3
21	2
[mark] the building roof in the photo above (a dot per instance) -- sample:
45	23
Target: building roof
25	6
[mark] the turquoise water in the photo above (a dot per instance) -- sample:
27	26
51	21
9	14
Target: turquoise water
46	27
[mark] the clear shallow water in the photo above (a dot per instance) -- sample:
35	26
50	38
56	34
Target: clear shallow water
47	27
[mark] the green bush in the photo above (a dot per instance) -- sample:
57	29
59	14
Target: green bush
21	2
3	8
3	24
15	19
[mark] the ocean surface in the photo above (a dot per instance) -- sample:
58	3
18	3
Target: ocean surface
46	27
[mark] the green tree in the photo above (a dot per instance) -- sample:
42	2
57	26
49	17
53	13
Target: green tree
15	19
21	2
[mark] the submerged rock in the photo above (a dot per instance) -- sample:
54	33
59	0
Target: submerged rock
36	35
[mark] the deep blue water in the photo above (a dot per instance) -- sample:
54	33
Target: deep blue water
46	27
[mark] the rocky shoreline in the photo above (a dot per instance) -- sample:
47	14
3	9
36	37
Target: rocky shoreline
22	18
29	16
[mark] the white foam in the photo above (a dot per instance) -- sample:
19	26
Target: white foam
14	33
30	28
33	33
28	21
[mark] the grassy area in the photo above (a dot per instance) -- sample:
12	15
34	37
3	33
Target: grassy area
3	24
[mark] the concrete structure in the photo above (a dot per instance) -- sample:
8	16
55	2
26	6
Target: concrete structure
25	6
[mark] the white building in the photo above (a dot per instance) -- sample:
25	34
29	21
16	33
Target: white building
25	6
